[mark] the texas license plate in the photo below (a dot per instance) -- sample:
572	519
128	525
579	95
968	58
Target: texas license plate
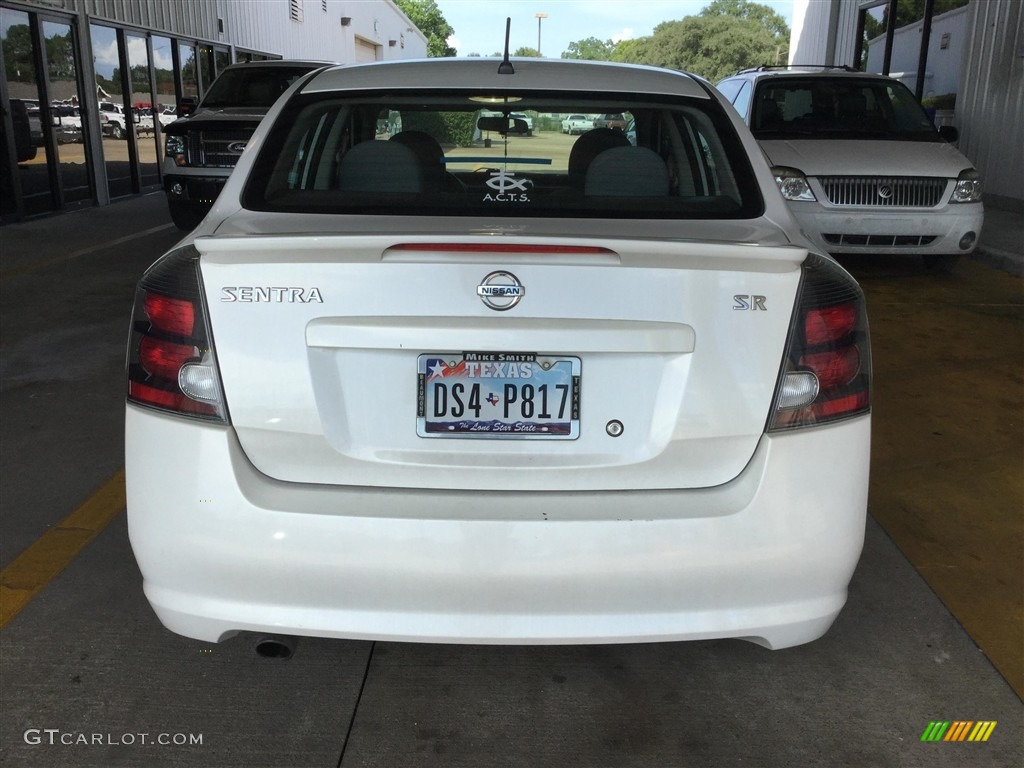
498	395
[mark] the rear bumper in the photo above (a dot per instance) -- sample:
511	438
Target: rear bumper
866	230
767	557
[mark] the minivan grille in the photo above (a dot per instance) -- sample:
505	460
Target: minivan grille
210	149
884	191
889	241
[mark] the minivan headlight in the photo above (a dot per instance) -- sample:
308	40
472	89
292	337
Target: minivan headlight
793	184
968	187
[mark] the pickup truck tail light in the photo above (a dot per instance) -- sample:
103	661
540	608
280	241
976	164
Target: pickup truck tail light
172	365
826	373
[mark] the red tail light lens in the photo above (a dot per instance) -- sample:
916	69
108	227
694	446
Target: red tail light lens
171	361
828	324
164	358
826	375
176	316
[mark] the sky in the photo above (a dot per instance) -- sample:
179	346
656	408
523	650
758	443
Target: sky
480	24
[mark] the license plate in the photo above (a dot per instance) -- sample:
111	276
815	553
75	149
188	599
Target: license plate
508	395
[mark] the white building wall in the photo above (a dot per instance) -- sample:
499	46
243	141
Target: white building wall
944	64
187	18
268	26
990	103
810	39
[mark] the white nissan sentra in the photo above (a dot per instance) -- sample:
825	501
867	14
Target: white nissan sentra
422	376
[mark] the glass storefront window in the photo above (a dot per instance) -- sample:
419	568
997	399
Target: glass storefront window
872	44
206	67
31	176
189	73
222	58
114	116
65	112
144	110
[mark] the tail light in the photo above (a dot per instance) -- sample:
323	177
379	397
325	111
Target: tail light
171	361
826	375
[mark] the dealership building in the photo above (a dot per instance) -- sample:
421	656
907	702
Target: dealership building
93	78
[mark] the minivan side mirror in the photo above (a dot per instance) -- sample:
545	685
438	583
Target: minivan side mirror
949	133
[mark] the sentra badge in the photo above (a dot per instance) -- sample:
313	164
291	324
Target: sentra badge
501	291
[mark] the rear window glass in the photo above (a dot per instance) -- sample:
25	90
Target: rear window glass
254	86
465	154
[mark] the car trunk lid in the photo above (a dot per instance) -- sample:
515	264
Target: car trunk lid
323	342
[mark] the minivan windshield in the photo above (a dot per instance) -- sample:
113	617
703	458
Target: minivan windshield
458	153
257	86
838	108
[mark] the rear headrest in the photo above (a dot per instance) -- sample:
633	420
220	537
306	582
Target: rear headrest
627	172
429	152
590	145
380	167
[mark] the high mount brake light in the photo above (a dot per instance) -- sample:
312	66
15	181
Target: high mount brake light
171	363
826	374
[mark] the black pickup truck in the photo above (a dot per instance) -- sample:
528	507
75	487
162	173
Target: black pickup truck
203	146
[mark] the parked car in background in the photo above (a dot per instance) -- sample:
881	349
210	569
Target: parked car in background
390	390
35	121
114	119
24	146
67	122
526	119
202	148
862	165
575	124
167	115
616	122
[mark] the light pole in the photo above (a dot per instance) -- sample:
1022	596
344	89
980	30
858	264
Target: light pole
540	17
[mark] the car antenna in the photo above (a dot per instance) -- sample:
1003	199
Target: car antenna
506	68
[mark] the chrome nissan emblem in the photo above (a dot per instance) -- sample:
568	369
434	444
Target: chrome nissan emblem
236	147
501	290
885	191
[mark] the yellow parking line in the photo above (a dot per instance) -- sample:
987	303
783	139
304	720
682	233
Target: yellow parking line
52	552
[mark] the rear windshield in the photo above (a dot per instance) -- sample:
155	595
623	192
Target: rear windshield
464	154
839	108
253	87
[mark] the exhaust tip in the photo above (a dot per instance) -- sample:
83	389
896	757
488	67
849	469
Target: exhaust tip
275	647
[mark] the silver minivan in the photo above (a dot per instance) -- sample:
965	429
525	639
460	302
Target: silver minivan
861	163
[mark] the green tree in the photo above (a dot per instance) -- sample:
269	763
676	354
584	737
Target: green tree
60	54
711	46
744	9
590	49
763	16
431	22
527	51
17	45
632	51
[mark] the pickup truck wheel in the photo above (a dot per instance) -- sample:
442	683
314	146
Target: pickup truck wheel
117	131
